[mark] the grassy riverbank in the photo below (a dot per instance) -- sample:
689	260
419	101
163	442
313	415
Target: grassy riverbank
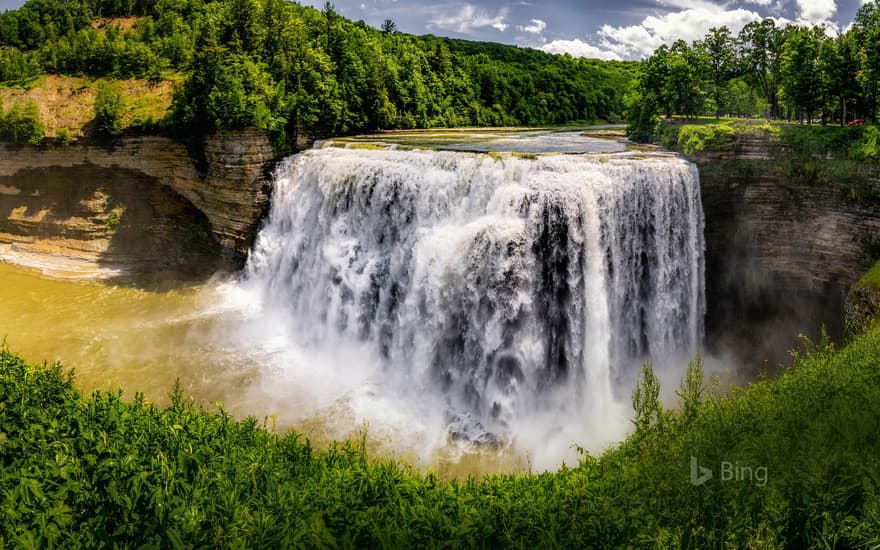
795	463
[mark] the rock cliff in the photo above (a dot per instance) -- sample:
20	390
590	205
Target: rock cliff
863	302
136	204
786	238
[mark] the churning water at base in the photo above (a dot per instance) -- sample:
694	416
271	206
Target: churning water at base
468	297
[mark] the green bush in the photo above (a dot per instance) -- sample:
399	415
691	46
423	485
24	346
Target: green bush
695	138
109	108
668	134
63	136
871	278
867	146
98	471
22	124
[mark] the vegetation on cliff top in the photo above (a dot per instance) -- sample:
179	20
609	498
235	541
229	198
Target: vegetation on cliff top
791	73
691	136
795	463
289	69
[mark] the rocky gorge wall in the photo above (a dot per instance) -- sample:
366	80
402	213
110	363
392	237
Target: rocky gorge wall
786	238
137	204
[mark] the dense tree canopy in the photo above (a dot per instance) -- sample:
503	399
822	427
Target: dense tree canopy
286	68
791	73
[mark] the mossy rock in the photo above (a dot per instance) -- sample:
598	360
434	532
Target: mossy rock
863	302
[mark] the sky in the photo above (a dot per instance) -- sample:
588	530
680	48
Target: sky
605	29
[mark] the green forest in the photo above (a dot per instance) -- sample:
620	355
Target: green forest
791	73
288	69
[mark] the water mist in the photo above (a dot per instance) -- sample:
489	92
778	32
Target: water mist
481	299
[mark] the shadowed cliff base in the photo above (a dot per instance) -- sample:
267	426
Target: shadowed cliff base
138	209
115	224
788	233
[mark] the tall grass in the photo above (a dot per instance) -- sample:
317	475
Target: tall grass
98	470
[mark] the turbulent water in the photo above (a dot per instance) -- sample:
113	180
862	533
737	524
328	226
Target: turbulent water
488	298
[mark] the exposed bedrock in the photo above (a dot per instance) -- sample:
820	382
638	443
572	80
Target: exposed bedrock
136	204
786	238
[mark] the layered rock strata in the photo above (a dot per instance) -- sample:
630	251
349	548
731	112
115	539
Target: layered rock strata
138	203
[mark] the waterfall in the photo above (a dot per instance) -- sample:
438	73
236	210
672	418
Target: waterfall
503	287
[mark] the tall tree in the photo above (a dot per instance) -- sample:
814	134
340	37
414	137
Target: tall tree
839	67
867	33
721	60
389	27
685	88
802	82
759	50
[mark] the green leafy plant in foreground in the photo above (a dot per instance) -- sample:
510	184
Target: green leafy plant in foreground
96	470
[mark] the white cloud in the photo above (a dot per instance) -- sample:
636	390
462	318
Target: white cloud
578	48
468	19
638	41
759	2
690	4
816	11
536	26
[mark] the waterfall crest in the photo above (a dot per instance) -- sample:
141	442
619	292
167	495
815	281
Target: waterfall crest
503	287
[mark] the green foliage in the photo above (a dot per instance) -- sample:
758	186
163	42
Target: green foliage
668	134
691	391
868	146
717	49
21	124
291	70
794	73
100	471
871	279
641	115
109	108
111	223
695	138
63	136
800	77
646	400
807	144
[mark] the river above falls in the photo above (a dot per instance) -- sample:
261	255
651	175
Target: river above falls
594	139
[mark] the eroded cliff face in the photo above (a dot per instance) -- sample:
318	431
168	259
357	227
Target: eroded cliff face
138	204
786	239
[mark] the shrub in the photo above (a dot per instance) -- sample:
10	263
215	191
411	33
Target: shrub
868	145
695	138
98	471
63	135
22	124
871	278
668	134
109	108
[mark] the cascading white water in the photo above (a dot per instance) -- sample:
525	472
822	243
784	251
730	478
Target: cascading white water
506	294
